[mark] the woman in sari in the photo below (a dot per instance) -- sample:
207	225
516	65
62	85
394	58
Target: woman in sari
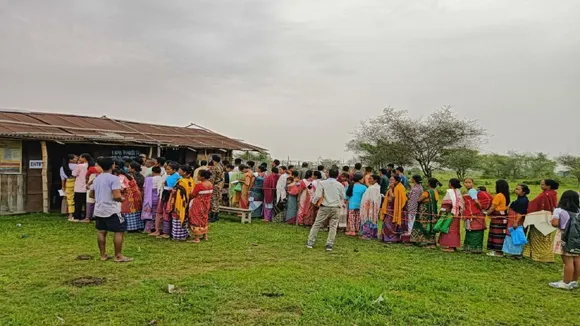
180	198
92	172
452	206
257	193
412	205
200	206
270	194
354	194
370	209
539	246
343	216
392	212
474	218
423	234
68	184
151	196
304	216
163	219
132	204
293	192
247	184
498	214
517	211
236	179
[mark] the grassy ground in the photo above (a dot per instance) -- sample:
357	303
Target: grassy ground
261	274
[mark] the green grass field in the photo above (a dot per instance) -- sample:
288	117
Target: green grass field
261	274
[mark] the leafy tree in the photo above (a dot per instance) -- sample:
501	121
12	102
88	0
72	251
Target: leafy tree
516	165
421	140
459	160
572	163
257	157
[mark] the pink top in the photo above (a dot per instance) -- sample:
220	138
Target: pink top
80	172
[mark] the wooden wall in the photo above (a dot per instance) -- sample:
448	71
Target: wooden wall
12	193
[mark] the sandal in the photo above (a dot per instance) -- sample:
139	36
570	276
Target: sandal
106	258
124	260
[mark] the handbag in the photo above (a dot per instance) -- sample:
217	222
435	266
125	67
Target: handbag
443	224
518	236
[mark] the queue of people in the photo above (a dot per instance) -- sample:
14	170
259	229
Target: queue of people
168	200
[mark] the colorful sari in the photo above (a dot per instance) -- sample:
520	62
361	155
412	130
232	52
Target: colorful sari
474	224
412	206
180	205
247	184
394	219
425	220
305	216
131	206
292	204
257	196
199	209
235	189
369	212
150	202
453	205
539	246
498	224
269	196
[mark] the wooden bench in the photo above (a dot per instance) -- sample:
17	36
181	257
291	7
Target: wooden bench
246	213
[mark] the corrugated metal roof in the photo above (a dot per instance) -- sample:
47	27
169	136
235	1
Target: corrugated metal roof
74	128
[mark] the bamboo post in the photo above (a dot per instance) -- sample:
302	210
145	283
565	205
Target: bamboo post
44	177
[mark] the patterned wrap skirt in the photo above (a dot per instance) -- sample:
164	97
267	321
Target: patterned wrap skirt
134	222
497	232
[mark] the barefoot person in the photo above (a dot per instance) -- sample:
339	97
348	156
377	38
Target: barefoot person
106	190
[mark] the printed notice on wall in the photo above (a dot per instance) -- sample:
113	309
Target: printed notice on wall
10	156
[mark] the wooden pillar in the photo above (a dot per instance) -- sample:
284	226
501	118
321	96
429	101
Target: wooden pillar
150	152
44	177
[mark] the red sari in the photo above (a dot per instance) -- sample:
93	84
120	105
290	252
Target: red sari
199	209
539	246
305	211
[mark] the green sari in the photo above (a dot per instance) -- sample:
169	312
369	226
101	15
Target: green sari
425	219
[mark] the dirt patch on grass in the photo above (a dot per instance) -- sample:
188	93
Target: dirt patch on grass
87	281
84	257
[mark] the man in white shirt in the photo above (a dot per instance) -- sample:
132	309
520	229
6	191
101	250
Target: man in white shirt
281	185
330	195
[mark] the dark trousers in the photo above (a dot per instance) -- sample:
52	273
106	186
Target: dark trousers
80	204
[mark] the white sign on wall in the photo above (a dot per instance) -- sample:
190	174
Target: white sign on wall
35	164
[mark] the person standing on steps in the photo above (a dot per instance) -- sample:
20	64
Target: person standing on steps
329	197
106	190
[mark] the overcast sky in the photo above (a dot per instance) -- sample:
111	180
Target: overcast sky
297	76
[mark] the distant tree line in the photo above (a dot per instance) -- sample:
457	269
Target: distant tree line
442	140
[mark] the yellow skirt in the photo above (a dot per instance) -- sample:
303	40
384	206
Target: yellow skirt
70	195
539	247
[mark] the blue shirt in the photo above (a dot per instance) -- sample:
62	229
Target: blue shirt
357	193
404	181
171	180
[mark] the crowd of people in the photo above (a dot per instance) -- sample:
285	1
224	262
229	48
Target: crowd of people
168	200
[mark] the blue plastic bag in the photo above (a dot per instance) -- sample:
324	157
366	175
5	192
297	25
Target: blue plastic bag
518	236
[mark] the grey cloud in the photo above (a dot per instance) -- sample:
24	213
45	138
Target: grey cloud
297	76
